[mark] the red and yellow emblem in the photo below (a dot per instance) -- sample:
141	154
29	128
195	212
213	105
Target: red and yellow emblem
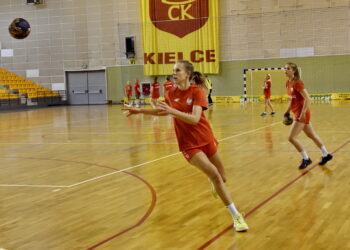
179	17
175	30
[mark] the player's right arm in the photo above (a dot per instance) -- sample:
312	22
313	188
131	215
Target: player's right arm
288	108
133	111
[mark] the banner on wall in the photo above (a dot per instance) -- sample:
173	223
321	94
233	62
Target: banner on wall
175	30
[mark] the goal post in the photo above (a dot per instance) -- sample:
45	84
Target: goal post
254	78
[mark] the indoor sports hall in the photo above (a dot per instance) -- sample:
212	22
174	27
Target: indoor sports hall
81	169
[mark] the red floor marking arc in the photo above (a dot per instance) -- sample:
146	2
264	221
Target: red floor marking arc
138	223
149	211
250	212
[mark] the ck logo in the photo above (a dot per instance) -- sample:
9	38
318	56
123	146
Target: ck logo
179	17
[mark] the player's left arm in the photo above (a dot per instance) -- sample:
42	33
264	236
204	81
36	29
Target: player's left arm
307	102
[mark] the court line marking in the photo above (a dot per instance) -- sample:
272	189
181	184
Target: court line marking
132	133
122	170
84	143
134	143
52	125
127	143
132	167
30	185
83	133
88	180
137	223
250	131
251	211
140	221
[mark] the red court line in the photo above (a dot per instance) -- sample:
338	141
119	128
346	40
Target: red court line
149	211
138	223
250	212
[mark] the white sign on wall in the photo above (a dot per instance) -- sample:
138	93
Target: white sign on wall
58	86
297	52
32	73
7	53
308	51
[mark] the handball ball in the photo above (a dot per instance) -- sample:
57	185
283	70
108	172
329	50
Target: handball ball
19	28
287	119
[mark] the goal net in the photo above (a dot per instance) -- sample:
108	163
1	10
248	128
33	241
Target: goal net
254	81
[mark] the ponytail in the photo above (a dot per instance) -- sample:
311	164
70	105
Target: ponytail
198	78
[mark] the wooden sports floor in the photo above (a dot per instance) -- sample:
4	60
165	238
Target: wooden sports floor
87	177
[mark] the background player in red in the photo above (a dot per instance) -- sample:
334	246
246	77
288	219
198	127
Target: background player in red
299	104
137	93
267	94
128	92
167	84
186	103
155	87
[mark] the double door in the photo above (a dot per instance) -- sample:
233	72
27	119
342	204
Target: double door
86	87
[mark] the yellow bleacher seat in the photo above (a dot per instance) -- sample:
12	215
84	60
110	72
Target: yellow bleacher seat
24	86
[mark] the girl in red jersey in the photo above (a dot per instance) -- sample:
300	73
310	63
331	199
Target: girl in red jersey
267	95
155	86
166	85
299	104
128	92
137	93
186	104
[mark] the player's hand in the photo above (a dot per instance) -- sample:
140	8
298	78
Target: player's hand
164	108
302	117
130	111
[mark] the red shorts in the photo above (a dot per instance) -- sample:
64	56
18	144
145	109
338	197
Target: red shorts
267	95
209	150
155	96
307	117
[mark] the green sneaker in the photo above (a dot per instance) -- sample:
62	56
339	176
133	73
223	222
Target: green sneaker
239	223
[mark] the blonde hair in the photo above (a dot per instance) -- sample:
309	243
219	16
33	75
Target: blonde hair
188	67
